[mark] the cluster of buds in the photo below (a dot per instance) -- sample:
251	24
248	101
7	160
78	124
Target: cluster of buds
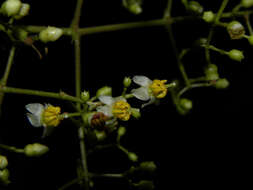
4	172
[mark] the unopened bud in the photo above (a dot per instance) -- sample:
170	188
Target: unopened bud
250	39
145	185
186	104
24	11
236	55
247	3
3	162
104	91
50	34
148	166
35	150
211	72
236	30
121	131
11	7
133	6
85	96
208	16
135	112
4	176
132	156
195	8
127	82
222	83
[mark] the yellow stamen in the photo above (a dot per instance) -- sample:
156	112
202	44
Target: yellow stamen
121	110
158	88
51	116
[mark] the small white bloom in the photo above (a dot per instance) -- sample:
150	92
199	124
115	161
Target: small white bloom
115	107
35	115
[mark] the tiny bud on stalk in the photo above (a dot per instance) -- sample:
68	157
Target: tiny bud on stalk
104	91
208	16
236	30
236	55
3	162
50	34
247	3
11	7
35	150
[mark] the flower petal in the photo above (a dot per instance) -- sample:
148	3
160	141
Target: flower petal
108	100
34	120
141	93
107	110
142	80
151	101
35	108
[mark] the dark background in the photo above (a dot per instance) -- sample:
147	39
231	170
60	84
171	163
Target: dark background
208	148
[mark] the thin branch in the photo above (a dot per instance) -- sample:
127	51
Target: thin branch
11	148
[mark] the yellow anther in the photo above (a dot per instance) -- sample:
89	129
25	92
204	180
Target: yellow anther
51	116
121	110
158	88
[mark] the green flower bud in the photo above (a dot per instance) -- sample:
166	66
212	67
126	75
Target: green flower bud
3	162
21	34
4	176
121	131
148	167
250	39
104	91
35	150
145	185
132	156
195	8
222	83
236	30
127	82
236	55
135	112
208	16
185	104
24	11
135	8
50	34
211	72
85	96
101	135
11	7
247	3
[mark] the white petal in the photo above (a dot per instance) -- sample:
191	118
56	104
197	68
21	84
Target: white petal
107	110
120	98
34	120
142	80
35	108
108	100
141	93
151	101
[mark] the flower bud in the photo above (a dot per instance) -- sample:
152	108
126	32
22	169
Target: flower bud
127	82
101	135
35	150
4	176
121	131
24	11
247	3
250	39
50	34
11	7
195	8
236	55
21	34
132	156
148	167
135	112
222	83
133	6
236	30
211	72
104	91
145	185
85	96
3	162
185	104
208	16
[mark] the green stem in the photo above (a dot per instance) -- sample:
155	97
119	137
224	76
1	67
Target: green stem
196	85
3	81
60	95
210	35
69	184
247	19
11	148
94	175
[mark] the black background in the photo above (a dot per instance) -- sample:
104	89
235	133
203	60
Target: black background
208	148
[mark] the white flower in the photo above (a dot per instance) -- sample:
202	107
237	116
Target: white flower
115	107
149	90
46	116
